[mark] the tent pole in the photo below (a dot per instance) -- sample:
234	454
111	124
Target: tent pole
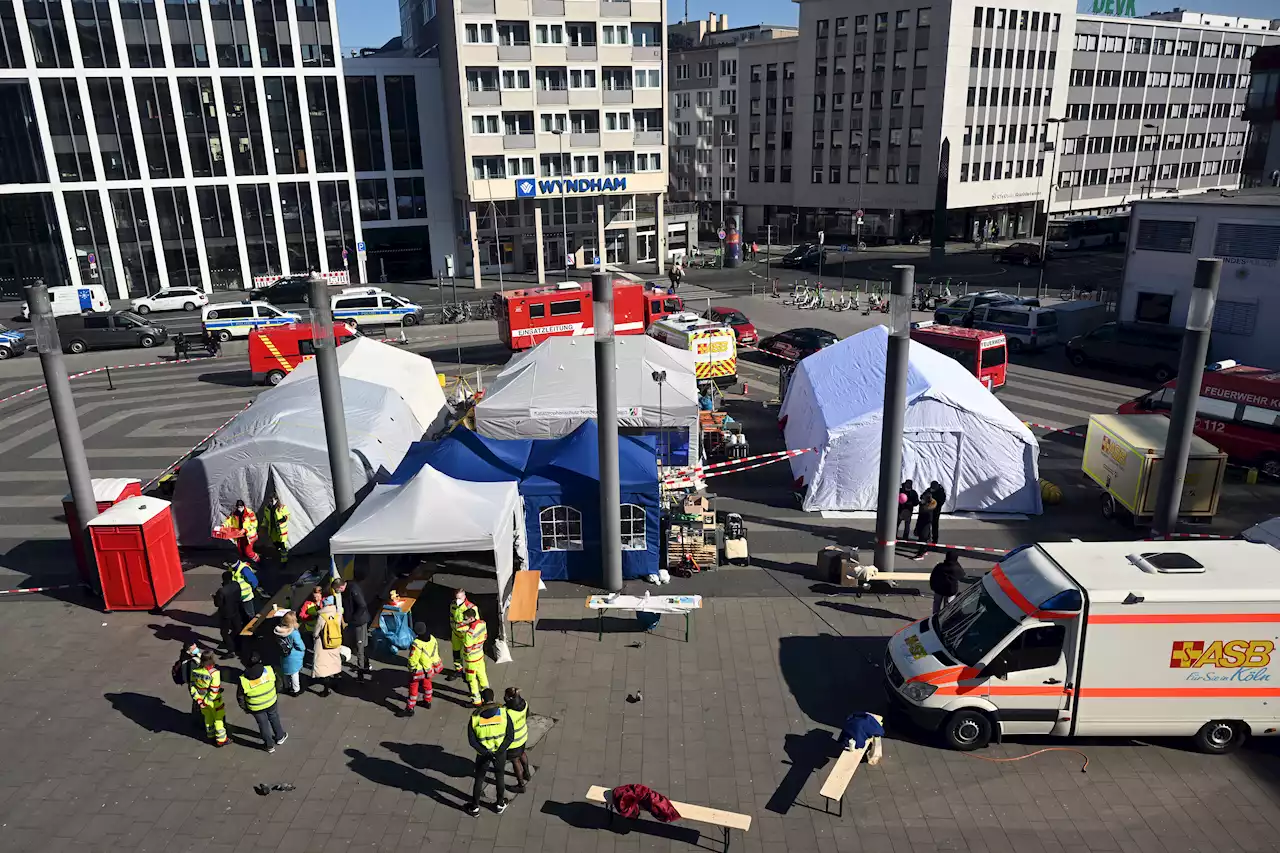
894	414
607	419
335	422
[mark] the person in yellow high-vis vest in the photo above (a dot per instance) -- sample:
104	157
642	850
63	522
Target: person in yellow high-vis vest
424	662
474	666
457	628
489	731
259	698
206	692
518	712
247	580
275	518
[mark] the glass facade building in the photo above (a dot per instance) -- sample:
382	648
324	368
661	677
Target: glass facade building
149	143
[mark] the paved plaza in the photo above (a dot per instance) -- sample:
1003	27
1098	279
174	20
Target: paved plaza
98	754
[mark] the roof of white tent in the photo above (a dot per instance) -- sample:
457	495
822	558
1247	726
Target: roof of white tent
847	382
410	375
555	381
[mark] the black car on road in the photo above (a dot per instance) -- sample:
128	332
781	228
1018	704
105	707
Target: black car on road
290	290
115	329
795	344
1026	254
804	256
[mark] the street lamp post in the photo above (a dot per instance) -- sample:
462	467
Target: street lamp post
332	410
1151	174
1044	237
893	414
720	191
862	179
564	215
1182	420
493	210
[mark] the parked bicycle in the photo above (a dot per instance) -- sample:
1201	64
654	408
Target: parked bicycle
1071	293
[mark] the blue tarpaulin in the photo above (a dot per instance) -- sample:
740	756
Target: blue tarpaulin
559	483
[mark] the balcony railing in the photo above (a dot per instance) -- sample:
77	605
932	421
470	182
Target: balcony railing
484	97
515	52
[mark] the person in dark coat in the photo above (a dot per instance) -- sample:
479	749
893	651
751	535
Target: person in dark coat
907	507
940	497
944	580
356	611
231	619
924	521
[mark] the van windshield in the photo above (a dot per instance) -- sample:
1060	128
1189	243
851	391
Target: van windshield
973	625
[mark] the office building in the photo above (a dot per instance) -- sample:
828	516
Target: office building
703	58
556	111
1262	111
1023	108
404	188
1167	236
152	143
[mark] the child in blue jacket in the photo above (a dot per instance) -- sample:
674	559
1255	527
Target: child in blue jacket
292	650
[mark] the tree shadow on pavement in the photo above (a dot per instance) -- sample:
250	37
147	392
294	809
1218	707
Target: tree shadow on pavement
382	771
808	753
863	610
589	816
431	756
828	694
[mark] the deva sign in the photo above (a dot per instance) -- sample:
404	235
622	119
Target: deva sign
529	188
1120	8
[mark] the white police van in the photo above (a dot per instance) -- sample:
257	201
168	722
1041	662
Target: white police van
228	320
373	306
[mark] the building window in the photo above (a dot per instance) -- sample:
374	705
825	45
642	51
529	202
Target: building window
288	136
1156	235
1153	308
375	206
97	37
259	217
633	535
221	244
177	237
200	113
366	124
561	528
186	35
48	34
299	217
411	198
326	124
315	34
402	122
230	34
244	125
133	231
67	129
272	23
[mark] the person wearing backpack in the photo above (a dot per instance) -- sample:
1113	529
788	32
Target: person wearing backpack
188	660
292	651
326	653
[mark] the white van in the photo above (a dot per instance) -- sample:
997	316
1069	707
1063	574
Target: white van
74	300
1132	639
230	320
1027	328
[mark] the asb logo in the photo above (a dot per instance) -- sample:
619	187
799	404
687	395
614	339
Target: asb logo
526	188
1228	654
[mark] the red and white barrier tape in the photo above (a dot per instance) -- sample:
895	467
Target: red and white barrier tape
687	473
84	373
175	463
687	479
33	589
1189	536
942	546
1070	432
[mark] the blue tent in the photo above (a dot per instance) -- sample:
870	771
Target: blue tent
559	482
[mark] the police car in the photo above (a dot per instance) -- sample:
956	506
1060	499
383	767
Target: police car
373	306
12	342
228	320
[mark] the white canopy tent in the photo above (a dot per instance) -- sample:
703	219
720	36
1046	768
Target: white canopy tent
550	390
433	513
956	431
412	376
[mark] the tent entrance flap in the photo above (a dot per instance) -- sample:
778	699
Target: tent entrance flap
929	455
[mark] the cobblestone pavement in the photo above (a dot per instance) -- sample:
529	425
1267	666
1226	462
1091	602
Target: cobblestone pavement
99	755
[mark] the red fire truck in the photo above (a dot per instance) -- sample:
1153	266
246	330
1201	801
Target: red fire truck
1238	411
276	351
983	353
528	317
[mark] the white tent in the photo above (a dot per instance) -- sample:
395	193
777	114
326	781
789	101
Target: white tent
412	376
278	444
434	513
956	431
550	390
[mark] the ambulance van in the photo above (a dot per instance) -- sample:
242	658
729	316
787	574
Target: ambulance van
714	345
1131	639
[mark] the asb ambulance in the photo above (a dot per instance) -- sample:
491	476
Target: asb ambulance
1132	639
373	306
714	345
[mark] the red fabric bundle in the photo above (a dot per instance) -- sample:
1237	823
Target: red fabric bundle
628	800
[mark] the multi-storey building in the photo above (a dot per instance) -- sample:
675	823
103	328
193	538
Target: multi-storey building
152	143
400	157
703	58
1154	108
1261	167
1027	107
557	122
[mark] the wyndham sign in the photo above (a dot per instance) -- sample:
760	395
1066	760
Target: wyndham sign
1118	8
529	188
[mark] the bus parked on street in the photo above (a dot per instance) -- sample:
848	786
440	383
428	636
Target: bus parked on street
1079	232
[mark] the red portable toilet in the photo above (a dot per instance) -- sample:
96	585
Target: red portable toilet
107	493
136	548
